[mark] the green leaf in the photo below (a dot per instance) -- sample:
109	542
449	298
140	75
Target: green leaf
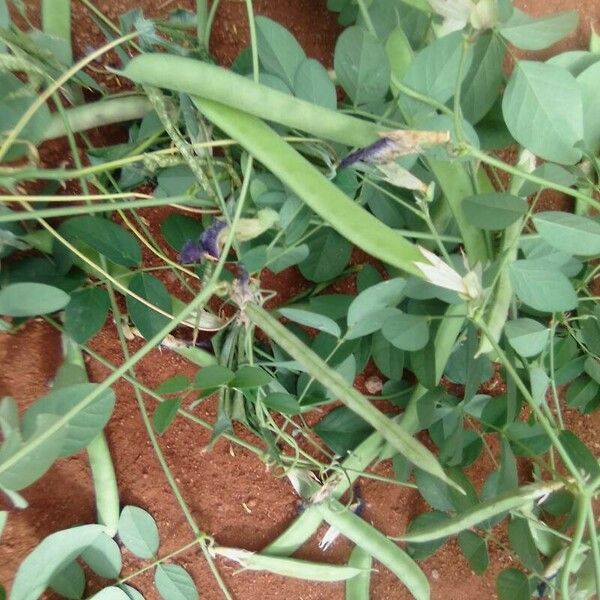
173	582
86	313
475	550
388	359
138	531
583	394
146	319
33	464
283	403
541	286
212	377
164	414
589	82
174	384
512	584
178	229
15	99
294	217
368	310
104	236
278	51
103	556
570	233
335	306
421	551
250	377
526	336
361	66
69	582
282	258
580	454
493	211
329	254
313	84
435	492
523	545
311	319
434	72
110	593
482	83
592	368
399	53
529	33
131	592
52	555
405	331
176	181
526	439
84	426
29	299
255	259
543	110
342	430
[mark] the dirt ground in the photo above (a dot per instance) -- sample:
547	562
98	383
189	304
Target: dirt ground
230	493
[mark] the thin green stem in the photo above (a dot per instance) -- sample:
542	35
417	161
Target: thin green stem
210	19
158	561
364	11
253	43
582	509
591	526
201	21
69	211
458	125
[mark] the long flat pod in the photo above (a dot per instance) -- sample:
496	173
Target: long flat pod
328	201
306	524
511	500
378	546
288	567
208	81
402	441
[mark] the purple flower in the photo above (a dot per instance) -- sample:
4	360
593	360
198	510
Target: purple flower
209	240
381	151
191	252
207	245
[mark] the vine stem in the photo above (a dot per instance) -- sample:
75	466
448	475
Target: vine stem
158	561
593	541
582	509
367	17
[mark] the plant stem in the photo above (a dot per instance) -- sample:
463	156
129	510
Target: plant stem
582	508
591	525
364	11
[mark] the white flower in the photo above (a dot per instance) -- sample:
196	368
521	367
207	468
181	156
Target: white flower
436	271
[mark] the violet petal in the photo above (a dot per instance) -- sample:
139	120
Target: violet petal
190	252
381	151
210	239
